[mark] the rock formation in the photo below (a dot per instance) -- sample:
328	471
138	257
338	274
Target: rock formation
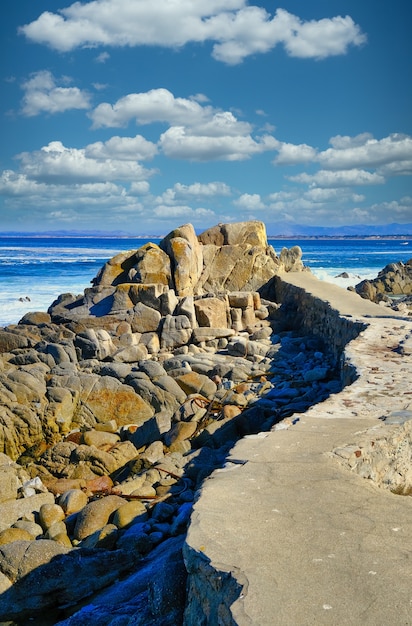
118	402
392	286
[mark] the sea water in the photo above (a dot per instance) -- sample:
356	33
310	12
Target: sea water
34	271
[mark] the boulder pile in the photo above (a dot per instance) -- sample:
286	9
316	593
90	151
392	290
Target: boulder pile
117	403
392	286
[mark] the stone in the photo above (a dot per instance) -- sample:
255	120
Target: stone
49	514
192	382
12	510
176	331
35	530
100	439
211	312
105	538
152	265
129	513
14	534
180	431
95	515
72	501
10	341
110	399
61	576
186	256
9	483
145	319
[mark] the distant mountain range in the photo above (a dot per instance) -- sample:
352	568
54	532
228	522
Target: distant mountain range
278	229
286	229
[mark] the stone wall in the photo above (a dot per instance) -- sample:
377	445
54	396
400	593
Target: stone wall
210	592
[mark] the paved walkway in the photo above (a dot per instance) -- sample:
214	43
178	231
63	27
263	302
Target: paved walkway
311	542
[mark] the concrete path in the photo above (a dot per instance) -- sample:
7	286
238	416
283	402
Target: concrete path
309	541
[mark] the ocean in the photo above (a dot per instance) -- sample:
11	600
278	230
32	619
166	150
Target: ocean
35	270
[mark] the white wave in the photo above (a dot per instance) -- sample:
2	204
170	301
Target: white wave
350	279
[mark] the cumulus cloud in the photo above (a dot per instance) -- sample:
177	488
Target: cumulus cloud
235	28
195	191
344	178
44	95
165	212
156	105
291	154
196	132
57	163
250	201
122	148
180	143
365	151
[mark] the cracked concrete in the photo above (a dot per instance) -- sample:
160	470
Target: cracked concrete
307	540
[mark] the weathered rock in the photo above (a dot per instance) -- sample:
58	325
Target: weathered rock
212	312
237	233
394	279
49	514
48	574
95	515
186	255
192	382
176	331
72	501
14	534
10	341
129	513
152	266
145	319
12	510
111	399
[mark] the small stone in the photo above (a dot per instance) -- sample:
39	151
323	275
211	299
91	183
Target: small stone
14	534
49	514
100	439
73	501
131	512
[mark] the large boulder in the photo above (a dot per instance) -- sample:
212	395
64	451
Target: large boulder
186	257
394	279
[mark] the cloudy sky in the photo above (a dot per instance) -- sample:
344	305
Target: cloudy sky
141	115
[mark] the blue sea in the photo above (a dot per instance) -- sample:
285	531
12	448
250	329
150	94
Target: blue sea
35	270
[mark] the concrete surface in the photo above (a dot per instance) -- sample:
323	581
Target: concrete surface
309	541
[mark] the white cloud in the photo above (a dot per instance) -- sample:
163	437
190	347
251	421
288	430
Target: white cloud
291	154
320	38
344	178
250	201
365	152
139	188
102	57
43	95
156	105
56	163
236	29
122	148
195	191
178	143
185	212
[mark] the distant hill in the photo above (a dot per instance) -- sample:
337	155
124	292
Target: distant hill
285	229
274	229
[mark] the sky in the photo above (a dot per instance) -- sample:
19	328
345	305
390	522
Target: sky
142	115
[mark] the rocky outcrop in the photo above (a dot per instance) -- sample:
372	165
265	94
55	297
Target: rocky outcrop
392	286
222	259
117	403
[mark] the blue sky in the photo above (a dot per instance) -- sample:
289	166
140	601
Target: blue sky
141	115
